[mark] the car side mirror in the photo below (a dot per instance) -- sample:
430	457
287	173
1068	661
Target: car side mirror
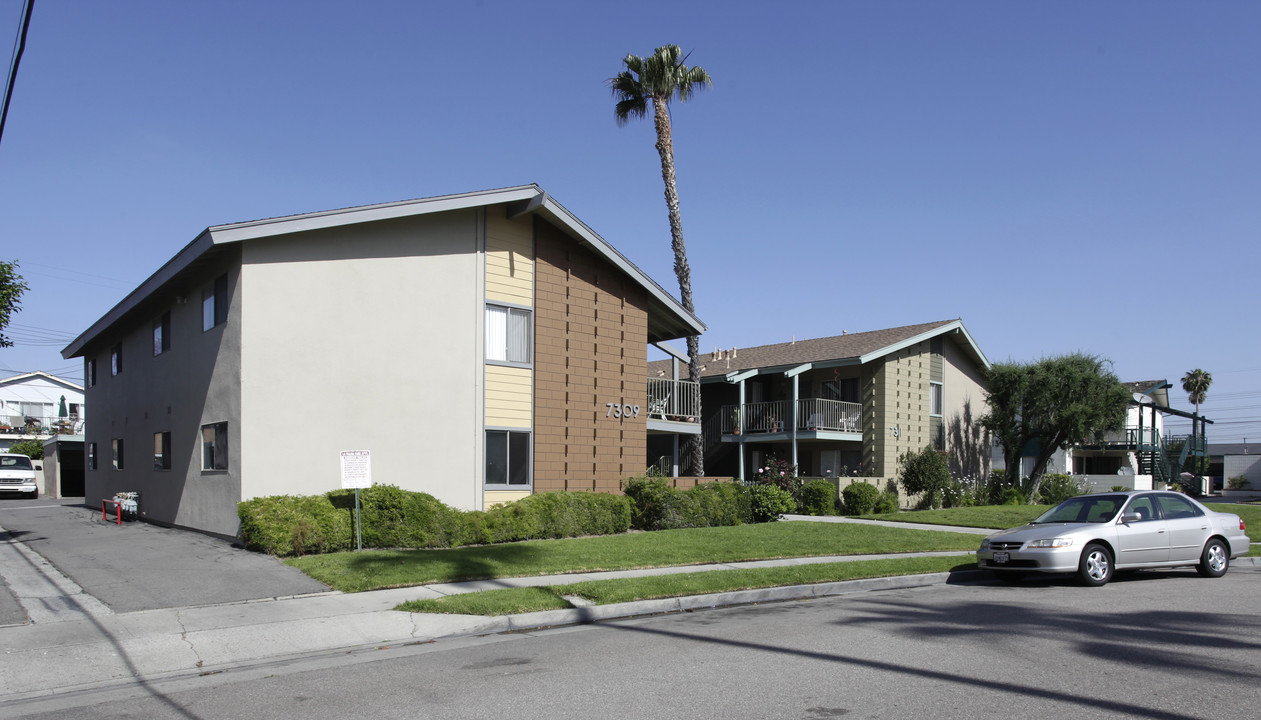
1128	518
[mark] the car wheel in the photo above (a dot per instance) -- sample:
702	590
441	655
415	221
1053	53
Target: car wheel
1215	559
1095	567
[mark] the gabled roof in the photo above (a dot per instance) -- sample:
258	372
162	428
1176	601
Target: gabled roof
1157	390
849	349
666	317
16	379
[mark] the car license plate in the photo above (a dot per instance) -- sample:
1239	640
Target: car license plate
1002	557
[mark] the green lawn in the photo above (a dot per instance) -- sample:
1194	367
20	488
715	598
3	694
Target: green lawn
603	592
376	569
999	517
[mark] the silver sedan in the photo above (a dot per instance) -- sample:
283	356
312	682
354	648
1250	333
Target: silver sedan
1096	535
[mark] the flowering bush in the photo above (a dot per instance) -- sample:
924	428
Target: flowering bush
780	473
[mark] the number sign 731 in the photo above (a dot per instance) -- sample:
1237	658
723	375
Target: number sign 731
621	411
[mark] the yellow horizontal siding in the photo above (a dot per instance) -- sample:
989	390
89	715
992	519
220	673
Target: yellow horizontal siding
509	396
509	258
491	498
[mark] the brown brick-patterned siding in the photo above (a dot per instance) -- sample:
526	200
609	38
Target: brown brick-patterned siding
591	330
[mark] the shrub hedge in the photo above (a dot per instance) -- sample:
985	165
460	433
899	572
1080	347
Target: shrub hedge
860	498
396	518
657	506
818	497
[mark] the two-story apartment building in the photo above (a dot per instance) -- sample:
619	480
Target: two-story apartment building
37	405
477	345
845	405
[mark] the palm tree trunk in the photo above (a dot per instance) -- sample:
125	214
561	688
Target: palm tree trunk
665	148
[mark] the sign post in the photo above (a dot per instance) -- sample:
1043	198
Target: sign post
356	473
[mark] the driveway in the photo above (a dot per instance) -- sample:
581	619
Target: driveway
137	566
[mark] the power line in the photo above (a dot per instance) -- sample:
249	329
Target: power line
19	48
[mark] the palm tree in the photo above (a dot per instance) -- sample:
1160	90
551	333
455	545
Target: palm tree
656	79
1196	383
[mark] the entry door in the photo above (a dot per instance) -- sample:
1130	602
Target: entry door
829	463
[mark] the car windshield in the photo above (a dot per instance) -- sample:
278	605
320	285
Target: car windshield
15	462
1087	509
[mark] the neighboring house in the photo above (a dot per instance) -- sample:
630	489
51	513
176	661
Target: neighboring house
477	345
36	406
1232	460
1139	455
847	405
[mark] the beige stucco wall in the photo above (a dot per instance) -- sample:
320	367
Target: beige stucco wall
364	338
963	404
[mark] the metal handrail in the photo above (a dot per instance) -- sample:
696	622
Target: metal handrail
678	400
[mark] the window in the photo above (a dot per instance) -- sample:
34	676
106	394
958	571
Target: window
89	372
116	453
508	334
507	457
116	359
1176	507
76	411
91	456
162	334
214	304
162	451
214	446
934	399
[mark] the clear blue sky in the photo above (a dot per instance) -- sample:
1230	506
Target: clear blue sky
1062	176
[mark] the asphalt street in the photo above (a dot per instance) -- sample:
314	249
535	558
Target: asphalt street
1167	645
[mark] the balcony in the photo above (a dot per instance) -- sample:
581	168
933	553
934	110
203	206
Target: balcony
32	426
674	406
814	415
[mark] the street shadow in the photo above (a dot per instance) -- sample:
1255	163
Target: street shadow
1107	637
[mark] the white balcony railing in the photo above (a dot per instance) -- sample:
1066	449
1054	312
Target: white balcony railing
677	400
773	417
820	414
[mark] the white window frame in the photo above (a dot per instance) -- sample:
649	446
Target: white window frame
214	452
936	399
502	321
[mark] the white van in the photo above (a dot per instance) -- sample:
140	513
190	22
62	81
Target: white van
17	474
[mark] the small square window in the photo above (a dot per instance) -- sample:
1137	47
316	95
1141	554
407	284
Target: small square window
214	446
507	458
508	334
162	451
116	453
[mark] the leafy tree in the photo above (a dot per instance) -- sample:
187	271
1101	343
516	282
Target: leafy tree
1196	383
654	80
33	449
925	472
11	288
1050	404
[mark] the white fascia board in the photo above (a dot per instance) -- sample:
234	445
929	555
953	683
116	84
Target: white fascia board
238	232
952	326
186	257
562	215
671	351
798	370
